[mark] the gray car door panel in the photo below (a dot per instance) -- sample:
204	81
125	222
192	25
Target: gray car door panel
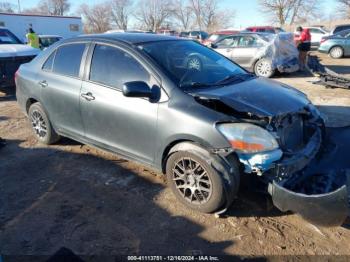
61	95
125	124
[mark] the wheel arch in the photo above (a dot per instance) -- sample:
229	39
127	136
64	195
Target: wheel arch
29	102
336	45
181	145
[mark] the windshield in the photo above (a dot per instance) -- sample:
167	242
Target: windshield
190	64
6	37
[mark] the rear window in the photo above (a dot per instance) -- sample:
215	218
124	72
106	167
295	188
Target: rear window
68	59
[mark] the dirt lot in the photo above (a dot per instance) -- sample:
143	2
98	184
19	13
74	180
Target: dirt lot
71	195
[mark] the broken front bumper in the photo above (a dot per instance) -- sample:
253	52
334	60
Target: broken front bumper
327	205
329	209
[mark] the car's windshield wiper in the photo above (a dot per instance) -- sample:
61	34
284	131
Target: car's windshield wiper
235	77
195	84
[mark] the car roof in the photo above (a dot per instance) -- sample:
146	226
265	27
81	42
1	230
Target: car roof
131	38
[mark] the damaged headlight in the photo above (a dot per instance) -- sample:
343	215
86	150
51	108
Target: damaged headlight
248	138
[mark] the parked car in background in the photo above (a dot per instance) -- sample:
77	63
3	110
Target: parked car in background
264	29
255	52
13	53
46	40
167	32
339	28
198	35
217	36
204	128
316	34
184	34
337	46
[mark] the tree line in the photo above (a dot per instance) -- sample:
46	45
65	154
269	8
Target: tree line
207	15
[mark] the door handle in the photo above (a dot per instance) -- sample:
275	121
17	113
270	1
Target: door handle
88	96
43	83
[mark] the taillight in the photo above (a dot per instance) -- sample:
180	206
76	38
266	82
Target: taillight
323	40
16	74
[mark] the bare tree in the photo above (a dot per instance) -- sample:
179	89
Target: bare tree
290	11
50	7
344	8
96	18
152	14
6	7
121	12
183	13
209	16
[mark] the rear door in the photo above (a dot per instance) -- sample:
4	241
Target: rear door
111	120
60	81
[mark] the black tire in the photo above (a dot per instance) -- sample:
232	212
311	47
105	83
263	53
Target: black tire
336	52
41	125
263	68
222	191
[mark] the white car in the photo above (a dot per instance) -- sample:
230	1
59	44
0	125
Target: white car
317	32
13	53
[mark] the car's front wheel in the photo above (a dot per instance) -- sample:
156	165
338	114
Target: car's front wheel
336	52
263	67
41	125
196	183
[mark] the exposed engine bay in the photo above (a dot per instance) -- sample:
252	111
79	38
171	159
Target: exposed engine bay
319	197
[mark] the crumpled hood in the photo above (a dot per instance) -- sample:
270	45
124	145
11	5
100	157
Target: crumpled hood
11	50
258	96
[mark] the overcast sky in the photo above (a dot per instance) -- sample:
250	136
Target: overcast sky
247	12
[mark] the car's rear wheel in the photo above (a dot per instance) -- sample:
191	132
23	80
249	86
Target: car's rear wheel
336	52
41	125
196	183
263	67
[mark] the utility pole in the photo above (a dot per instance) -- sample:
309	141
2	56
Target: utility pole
19	6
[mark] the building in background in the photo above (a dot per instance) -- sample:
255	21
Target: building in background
64	26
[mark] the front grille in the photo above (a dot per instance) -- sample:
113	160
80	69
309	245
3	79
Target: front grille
291	133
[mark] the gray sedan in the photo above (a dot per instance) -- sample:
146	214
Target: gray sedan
203	126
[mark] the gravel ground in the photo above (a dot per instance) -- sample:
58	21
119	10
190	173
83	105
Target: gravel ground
95	203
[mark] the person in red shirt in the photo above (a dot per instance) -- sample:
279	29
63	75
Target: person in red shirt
303	42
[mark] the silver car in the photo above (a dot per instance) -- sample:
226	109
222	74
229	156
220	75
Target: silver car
250	50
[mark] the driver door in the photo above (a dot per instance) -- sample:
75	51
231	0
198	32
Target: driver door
124	124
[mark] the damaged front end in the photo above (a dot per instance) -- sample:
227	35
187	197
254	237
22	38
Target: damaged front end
320	198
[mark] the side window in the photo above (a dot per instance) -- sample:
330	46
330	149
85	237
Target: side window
114	67
247	41
49	62
231	41
68	59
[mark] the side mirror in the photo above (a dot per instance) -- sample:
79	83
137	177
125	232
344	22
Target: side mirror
213	45
140	89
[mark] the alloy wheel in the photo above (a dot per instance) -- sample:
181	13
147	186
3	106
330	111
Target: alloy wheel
192	181
336	52
38	124
263	68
